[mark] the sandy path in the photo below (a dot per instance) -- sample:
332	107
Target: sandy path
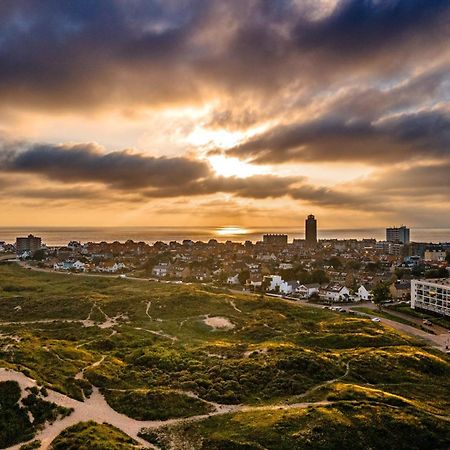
234	306
97	409
219	323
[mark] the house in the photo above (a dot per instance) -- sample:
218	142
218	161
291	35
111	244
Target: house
111	267
277	284
233	279
401	290
336	293
255	280
78	265
161	270
363	294
307	290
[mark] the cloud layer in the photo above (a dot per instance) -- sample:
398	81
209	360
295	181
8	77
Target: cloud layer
299	87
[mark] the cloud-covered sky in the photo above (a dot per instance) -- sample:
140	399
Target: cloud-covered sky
211	112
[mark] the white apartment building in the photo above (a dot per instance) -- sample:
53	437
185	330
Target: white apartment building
431	295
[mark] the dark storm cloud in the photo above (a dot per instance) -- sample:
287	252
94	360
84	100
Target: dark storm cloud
358	28
424	134
87	163
88	53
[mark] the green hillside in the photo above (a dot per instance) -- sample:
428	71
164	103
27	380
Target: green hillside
160	351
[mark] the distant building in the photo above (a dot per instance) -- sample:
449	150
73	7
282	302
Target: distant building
398	235
431	295
401	290
275	239
311	231
435	255
28	244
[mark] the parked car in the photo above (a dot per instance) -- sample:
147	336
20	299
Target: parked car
427	322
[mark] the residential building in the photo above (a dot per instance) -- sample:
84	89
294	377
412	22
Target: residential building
435	255
28	244
401	290
398	235
431	295
362	294
311	231
336	293
161	270
307	290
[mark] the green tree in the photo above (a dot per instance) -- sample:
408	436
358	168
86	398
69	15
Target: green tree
380	294
244	276
39	255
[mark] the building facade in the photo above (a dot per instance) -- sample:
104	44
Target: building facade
311	231
398	235
28	244
431	295
275	239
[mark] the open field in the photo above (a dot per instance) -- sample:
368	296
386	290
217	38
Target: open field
237	365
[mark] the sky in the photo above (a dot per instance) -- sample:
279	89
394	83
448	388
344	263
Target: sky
220	113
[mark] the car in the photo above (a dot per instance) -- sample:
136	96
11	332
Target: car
376	319
427	322
325	307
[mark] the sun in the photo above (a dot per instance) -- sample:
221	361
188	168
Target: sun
234	167
231	231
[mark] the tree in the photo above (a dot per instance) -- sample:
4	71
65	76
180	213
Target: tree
380	294
335	262
244	276
39	255
447	258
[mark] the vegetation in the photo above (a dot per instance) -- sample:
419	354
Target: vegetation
358	425
93	436
380	294
147	347
156	404
15	423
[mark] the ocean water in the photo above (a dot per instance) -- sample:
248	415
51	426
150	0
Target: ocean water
62	235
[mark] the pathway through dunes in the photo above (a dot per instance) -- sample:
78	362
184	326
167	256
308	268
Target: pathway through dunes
97	409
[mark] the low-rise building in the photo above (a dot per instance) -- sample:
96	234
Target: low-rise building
363	294
401	290
431	295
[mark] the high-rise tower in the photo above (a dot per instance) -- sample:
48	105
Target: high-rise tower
311	231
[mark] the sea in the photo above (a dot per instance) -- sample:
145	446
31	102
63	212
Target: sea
53	236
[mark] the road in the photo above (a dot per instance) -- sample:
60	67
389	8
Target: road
440	340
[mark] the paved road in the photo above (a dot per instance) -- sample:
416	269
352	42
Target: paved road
438	341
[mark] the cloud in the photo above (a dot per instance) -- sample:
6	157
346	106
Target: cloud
87	54
90	163
425	134
146	177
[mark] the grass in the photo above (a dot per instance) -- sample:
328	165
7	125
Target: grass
156	404
358	425
160	350
92	436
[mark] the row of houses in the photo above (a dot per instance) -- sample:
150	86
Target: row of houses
333	292
79	266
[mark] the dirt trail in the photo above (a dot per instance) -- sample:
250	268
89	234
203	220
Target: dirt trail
97	409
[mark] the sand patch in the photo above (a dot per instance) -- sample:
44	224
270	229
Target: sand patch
219	323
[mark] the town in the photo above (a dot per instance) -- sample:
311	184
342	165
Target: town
330	271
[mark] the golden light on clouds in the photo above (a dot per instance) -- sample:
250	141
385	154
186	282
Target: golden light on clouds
231	231
234	167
